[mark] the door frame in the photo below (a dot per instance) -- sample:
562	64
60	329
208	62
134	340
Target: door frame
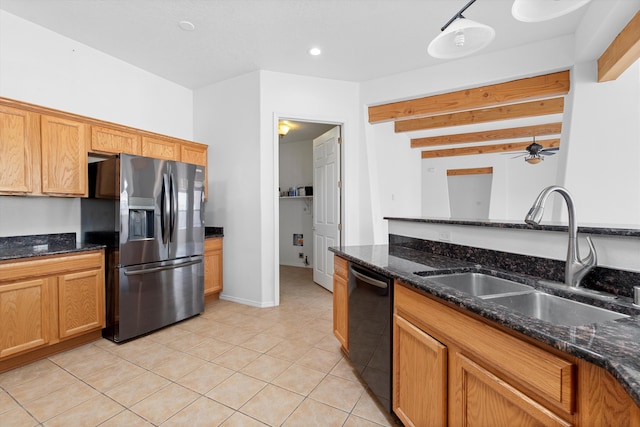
276	178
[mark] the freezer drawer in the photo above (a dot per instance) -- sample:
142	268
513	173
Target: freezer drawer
150	296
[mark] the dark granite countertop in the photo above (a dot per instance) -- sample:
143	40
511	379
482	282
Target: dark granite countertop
12	248
213	232
613	345
609	230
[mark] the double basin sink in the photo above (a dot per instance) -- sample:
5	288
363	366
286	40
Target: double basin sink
526	300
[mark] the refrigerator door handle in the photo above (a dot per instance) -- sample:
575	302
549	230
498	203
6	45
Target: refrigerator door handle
166	267
173	208
165	206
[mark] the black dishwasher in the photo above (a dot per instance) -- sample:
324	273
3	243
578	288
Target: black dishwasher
370	329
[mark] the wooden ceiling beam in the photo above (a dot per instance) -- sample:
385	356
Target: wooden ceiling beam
470	171
623	51
486	149
490	135
539	87
504	112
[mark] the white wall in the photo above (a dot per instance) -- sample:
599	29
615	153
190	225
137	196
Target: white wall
310	99
603	171
227	119
238	118
515	185
396	169
44	68
296	169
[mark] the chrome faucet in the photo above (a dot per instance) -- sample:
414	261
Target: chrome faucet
575	268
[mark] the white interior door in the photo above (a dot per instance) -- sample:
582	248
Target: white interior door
326	205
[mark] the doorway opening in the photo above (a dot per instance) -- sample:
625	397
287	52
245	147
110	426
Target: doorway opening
309	219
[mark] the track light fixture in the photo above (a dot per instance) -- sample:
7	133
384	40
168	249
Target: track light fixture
460	37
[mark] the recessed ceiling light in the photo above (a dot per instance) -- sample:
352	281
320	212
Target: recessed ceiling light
186	25
315	51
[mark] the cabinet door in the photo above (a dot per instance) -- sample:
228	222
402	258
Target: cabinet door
483	399
193	153
17	134
113	141
160	148
64	156
80	302
212	266
341	303
24	316
419	376
196	154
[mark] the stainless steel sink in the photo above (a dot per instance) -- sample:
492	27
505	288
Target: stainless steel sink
479	284
556	310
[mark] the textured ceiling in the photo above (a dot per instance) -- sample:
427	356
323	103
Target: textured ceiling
360	39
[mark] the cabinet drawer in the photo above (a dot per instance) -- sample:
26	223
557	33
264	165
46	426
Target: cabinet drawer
341	267
526	365
50	265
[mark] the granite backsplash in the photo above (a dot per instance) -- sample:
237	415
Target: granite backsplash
618	282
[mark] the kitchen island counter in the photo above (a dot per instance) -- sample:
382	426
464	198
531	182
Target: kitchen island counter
613	345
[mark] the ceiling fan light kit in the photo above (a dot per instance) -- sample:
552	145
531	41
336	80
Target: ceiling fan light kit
544	10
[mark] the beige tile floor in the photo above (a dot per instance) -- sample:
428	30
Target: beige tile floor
234	365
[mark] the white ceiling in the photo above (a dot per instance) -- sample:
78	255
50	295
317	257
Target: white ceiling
360	39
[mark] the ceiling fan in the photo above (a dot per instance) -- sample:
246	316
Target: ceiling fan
535	152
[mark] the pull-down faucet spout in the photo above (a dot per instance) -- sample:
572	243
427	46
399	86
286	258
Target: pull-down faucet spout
575	268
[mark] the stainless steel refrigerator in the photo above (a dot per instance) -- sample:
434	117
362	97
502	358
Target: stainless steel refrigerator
150	214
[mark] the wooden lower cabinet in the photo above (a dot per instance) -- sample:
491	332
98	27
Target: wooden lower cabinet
420	369
341	302
212	267
48	304
80	302
457	369
488	400
25	316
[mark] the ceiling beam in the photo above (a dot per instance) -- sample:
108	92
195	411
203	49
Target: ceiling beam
471	171
486	149
504	112
490	135
545	86
623	51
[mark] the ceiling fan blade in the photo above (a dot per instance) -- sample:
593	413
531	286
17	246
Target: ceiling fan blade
550	149
519	155
547	153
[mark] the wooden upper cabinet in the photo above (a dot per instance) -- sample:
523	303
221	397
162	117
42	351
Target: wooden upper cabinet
64	156
193	153
18	131
160	148
113	141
